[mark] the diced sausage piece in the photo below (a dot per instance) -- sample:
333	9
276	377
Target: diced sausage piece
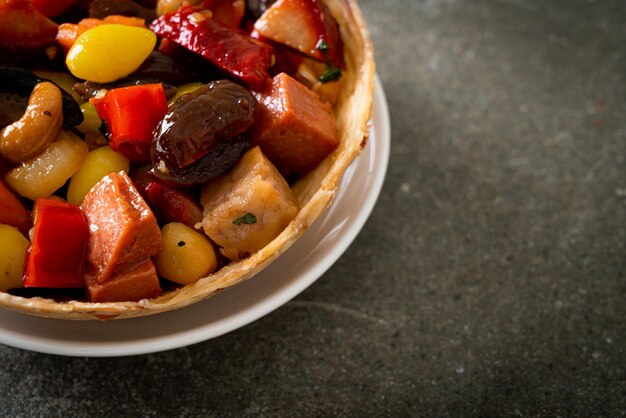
247	207
138	283
123	232
296	130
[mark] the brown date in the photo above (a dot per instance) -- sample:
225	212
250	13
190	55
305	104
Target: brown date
217	162
198	122
176	68
88	89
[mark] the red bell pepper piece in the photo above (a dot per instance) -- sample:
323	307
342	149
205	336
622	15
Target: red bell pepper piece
172	205
131	113
12	211
56	257
231	50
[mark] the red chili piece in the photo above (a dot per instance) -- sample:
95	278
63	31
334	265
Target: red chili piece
131	113
56	257
231	50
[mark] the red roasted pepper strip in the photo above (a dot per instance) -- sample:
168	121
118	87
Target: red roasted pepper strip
12	211
229	49
56	257
131	113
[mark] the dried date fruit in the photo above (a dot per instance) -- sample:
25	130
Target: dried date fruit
200	121
217	162
175	69
89	89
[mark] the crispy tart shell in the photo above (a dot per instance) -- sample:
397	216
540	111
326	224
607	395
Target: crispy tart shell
315	192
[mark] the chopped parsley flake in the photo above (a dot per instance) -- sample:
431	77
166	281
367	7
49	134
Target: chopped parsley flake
331	73
322	45
247	219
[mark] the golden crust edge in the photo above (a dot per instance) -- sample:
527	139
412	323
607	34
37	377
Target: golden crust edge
353	116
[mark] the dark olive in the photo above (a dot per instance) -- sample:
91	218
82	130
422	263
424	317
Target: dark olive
31	58
255	8
12	107
89	89
218	161
103	8
199	121
176	69
22	82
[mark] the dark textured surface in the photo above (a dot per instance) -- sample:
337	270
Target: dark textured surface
489	280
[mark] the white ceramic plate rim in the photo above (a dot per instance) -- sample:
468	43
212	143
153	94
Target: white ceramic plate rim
378	153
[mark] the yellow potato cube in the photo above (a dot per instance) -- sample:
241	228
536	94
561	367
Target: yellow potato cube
97	164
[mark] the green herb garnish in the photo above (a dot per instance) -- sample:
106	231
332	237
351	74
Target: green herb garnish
331	73
322	46
247	219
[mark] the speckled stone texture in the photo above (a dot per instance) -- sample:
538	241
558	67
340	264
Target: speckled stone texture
489	280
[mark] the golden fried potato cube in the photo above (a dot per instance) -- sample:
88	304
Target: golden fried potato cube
246	208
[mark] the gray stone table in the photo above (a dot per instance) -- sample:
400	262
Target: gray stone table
489	280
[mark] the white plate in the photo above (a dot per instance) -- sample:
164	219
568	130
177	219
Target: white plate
289	275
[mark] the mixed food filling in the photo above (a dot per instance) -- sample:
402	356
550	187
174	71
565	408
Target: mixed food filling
145	145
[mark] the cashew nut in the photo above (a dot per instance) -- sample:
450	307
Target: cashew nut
37	128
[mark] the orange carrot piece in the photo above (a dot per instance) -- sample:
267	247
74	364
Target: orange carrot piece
69	32
125	20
